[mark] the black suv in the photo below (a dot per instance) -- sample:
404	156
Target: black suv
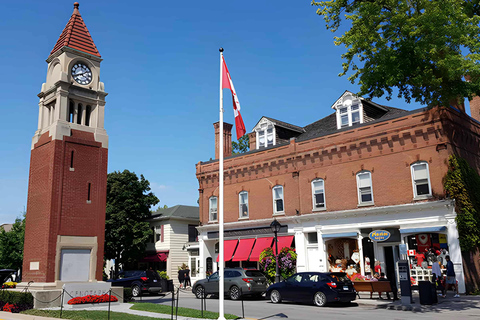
238	282
139	281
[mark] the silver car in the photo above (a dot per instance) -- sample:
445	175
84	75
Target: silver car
238	283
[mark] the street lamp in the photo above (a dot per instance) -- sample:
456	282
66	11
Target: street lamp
275	226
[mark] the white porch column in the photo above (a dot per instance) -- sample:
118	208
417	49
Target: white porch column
322	254
300	247
201	252
360	252
454	251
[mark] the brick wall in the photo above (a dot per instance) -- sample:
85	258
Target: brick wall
386	149
57	199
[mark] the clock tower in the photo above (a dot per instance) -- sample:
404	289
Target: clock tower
65	222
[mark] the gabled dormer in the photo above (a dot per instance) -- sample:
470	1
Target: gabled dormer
270	132
349	110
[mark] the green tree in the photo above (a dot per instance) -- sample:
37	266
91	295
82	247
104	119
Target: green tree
423	48
242	146
128	205
11	245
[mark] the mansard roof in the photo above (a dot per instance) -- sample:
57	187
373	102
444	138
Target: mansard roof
75	35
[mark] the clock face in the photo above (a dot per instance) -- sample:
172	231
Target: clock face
81	73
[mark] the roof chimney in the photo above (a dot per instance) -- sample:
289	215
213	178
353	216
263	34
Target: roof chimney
227	139
252	138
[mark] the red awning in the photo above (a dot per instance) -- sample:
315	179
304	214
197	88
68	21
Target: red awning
285	241
243	250
260	245
159	256
228	249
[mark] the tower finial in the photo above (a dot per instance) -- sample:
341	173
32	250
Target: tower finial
76	5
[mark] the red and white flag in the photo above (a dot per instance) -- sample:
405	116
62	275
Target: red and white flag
228	84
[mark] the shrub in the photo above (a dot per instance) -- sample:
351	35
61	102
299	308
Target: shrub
163	275
9	285
127	294
12	301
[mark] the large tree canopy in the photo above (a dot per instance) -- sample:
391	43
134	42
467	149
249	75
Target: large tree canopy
425	48
11	245
128	205
242	146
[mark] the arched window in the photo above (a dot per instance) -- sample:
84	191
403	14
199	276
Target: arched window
421	180
79	114
318	194
212	209
364	186
277	193
71	108
243	204
88	112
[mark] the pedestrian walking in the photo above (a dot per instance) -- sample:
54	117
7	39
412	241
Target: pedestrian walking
451	280
181	277
187	278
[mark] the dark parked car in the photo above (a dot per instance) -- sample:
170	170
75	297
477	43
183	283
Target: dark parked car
6	274
319	288
139	281
238	282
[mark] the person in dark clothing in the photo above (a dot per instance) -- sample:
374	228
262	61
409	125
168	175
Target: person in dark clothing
187	278
451	280
181	277
382	278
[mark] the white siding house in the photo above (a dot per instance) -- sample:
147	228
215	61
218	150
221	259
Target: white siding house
174	236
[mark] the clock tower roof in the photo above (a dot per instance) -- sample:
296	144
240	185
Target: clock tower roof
75	35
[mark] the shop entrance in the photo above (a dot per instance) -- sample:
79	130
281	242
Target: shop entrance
391	254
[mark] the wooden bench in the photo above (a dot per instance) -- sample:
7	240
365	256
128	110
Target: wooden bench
372	286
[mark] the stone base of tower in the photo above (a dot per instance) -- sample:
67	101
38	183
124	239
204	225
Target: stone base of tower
49	294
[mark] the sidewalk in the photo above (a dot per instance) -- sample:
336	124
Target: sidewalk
444	304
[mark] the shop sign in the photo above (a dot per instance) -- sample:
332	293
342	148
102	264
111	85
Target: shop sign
379	235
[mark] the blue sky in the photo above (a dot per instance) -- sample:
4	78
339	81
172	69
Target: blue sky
161	70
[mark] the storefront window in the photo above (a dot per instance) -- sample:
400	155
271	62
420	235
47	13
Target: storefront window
343	256
425	249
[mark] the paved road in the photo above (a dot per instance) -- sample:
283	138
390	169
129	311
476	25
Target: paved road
265	310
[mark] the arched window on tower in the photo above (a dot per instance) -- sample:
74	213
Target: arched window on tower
88	112
71	108
79	114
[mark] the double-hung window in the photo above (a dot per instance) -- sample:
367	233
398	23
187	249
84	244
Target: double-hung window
158	233
318	194
213	209
243	204
265	134
278	200
421	180
349	111
364	185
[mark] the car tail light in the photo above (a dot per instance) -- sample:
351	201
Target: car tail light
332	284
247	280
144	279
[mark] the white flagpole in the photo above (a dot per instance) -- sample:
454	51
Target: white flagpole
221	291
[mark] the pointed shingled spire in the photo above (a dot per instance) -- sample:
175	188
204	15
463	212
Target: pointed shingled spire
76	35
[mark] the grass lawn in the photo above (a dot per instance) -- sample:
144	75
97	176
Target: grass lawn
86	315
184	312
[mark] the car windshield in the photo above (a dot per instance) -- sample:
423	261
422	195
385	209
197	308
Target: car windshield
339	277
253	273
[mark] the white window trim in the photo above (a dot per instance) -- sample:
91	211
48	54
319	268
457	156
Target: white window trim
360	203
258	128
423	196
275	212
346	102
158	233
240	215
210	209
314	208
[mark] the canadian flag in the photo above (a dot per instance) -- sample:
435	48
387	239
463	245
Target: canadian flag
228	84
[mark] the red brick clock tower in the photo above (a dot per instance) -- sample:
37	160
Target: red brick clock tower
65	222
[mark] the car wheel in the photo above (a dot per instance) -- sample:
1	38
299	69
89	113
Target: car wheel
320	299
199	292
136	292
275	296
234	293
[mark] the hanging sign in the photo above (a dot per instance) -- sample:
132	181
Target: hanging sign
379	235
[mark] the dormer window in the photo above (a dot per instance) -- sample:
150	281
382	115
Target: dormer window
265	134
349	111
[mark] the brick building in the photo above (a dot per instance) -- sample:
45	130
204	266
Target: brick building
65	221
364	168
